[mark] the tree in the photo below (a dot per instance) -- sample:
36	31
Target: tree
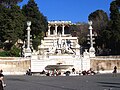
115	26
99	19
9	3
15	51
3	20
11	25
39	22
14	25
82	34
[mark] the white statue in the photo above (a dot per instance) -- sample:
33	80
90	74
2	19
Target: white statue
59	42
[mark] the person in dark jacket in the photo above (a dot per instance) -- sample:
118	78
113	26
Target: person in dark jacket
1	82
1	71
115	71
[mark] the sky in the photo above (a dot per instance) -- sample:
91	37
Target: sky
70	10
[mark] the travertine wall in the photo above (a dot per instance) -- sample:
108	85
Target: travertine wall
104	63
18	65
14	65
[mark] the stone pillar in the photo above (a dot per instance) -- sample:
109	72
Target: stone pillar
56	29
91	39
63	29
28	51
28	36
49	30
92	49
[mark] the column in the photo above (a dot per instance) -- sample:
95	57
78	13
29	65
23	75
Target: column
91	49
56	29
49	30
28	39
63	29
91	39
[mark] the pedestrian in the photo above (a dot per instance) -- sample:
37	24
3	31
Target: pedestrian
98	68
1	71
73	70
1	82
115	71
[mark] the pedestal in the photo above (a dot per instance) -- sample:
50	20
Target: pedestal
92	52
28	52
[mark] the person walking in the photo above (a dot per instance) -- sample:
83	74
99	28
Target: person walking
1	71
1	82
115	71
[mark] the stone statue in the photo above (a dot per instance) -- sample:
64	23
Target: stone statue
59	42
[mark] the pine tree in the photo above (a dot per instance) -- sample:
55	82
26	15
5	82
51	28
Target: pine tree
115	26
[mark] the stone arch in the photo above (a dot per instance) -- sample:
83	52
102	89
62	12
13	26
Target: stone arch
67	30
59	29
52	29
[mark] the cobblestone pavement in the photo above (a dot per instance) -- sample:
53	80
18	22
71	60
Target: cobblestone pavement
93	82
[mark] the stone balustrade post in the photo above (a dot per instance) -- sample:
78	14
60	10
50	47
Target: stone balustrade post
63	29
49	30
56	29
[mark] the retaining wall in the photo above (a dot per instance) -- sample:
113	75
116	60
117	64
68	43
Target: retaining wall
18	65
105	63
14	65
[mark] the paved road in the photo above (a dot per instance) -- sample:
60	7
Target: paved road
95	82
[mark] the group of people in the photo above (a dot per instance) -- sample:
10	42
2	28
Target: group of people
2	84
28	72
88	72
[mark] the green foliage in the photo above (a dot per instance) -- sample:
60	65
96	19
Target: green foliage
99	19
3	22
39	22
108	30
9	3
115	26
82	34
15	51
12	25
80	30
4	54
37	41
18	20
